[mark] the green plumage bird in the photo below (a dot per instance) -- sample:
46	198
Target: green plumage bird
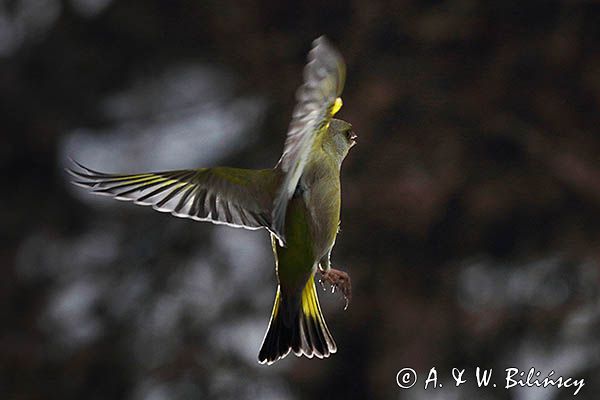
298	201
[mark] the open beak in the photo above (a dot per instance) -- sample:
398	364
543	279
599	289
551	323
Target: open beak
353	137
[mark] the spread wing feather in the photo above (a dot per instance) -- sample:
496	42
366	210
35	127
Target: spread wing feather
231	196
324	77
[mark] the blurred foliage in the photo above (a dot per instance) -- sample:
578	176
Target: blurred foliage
471	211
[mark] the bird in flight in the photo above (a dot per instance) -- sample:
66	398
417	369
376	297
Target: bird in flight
298	202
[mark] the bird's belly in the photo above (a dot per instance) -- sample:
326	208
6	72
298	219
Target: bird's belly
323	205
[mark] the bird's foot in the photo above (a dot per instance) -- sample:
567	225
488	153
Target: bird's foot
338	280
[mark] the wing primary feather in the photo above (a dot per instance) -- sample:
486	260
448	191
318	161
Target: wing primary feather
83	167
168	184
101	176
134	182
171	194
212	201
202	202
142	186
183	199
194	206
227	212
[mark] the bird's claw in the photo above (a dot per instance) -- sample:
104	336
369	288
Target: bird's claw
322	285
338	280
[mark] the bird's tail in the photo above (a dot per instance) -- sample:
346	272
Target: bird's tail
305	333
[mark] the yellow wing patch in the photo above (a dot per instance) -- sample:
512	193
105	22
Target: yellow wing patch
336	106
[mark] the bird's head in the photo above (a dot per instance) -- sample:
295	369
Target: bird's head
340	138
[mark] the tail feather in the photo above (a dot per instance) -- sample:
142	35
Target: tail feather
306	334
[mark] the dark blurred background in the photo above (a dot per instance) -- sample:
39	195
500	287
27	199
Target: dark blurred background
471	204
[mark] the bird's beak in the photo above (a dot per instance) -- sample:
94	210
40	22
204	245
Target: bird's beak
353	137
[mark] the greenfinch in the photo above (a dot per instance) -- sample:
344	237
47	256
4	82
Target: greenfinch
298	202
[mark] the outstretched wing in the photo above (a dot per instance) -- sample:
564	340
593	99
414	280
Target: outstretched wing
236	197
317	101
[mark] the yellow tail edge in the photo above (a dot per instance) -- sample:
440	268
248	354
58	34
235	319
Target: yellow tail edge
306	334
